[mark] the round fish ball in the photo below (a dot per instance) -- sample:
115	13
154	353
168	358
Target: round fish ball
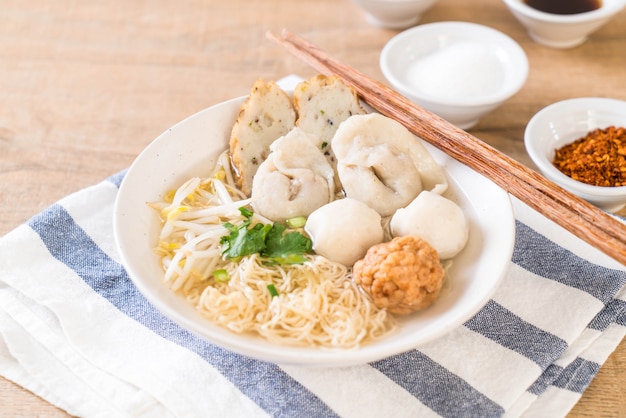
343	230
435	219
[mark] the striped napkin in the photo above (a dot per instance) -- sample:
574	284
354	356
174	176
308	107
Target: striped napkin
75	331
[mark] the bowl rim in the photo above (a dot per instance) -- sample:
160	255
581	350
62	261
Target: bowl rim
513	49
544	164
605	10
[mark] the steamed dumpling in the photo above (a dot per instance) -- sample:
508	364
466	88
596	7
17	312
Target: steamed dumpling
380	176
435	219
344	230
382	164
294	180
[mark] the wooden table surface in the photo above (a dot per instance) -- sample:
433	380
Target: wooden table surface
86	85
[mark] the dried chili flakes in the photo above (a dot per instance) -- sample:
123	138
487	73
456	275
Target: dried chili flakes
599	158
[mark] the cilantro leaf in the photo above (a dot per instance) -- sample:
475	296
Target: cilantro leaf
269	240
286	248
245	241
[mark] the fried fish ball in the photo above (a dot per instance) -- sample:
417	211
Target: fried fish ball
403	275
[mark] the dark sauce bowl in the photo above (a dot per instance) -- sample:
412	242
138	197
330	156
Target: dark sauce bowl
563	30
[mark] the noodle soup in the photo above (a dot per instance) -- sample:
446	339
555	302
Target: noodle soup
312	303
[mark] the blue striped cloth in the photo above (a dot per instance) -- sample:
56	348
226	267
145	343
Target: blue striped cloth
75	331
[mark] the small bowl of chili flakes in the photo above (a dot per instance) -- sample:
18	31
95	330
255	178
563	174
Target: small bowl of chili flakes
580	144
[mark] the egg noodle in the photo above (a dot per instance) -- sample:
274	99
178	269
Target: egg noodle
311	304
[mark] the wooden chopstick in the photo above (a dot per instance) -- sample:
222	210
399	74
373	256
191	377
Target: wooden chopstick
574	214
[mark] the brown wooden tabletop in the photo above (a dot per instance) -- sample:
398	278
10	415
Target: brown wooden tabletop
86	85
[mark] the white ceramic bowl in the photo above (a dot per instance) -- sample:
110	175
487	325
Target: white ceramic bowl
563	31
394	14
564	122
458	70
190	149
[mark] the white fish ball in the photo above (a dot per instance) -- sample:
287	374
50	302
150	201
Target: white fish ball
435	219
343	230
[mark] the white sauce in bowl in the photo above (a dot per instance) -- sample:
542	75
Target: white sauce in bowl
461	70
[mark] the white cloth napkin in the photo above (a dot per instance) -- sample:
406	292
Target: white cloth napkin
75	331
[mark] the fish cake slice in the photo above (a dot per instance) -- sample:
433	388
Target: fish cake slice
322	103
266	115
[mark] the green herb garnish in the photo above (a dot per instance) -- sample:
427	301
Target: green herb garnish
272	289
286	248
243	239
297	222
268	240
221	275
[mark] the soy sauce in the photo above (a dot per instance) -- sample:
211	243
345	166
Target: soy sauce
564	7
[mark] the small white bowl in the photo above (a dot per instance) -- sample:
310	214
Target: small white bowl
457	70
563	31
564	122
394	14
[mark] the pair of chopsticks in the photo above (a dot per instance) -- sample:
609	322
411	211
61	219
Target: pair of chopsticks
577	216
